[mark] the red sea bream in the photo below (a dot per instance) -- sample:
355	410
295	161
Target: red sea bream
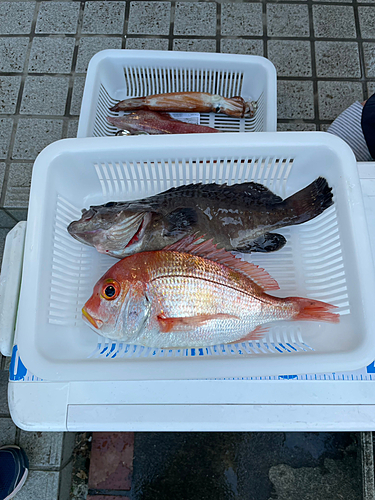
191	295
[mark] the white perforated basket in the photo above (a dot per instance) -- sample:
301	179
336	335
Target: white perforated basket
328	258
114	75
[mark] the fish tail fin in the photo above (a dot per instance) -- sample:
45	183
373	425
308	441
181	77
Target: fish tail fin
313	310
129	104
310	201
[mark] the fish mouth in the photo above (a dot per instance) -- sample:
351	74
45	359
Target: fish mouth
96	323
82	235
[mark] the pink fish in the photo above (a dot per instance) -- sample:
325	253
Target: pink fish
157	123
191	295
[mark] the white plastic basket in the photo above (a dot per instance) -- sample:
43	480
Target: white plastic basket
114	75
328	258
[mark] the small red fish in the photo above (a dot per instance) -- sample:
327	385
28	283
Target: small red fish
191	295
157	123
200	102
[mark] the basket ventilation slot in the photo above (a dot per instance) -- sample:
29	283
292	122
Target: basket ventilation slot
152	176
282	344
142	81
72	265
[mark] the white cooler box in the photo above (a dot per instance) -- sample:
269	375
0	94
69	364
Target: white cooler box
327	258
114	75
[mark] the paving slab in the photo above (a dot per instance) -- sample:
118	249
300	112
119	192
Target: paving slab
40	485
194	45
241	19
295	99
33	135
337	59
367	21
57	17
284	127
7	432
78	87
4	409
242	46
44	449
149	18
105	18
16	17
334	21
19	214
7	363
72	129
369	56
9	89
287	20
89	46
6	125
3	234
45	95
13	54
290	57
193	18
51	55
6	220
147	43
370	88
334	97
18	187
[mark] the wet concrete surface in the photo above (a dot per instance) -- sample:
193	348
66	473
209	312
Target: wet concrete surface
247	466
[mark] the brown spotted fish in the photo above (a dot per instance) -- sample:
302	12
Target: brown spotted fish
238	217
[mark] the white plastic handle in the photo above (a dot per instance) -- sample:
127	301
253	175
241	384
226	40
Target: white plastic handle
10	282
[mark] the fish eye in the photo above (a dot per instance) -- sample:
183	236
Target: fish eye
111	290
110	204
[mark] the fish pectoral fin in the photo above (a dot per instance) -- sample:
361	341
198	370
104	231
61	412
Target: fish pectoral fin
188	322
268	242
181	220
258	333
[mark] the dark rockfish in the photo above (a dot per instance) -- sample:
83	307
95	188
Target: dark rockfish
238	217
156	123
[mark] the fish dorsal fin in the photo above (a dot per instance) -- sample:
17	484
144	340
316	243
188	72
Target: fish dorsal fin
208	250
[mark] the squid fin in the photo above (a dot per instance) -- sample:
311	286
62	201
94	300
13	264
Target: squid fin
208	250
